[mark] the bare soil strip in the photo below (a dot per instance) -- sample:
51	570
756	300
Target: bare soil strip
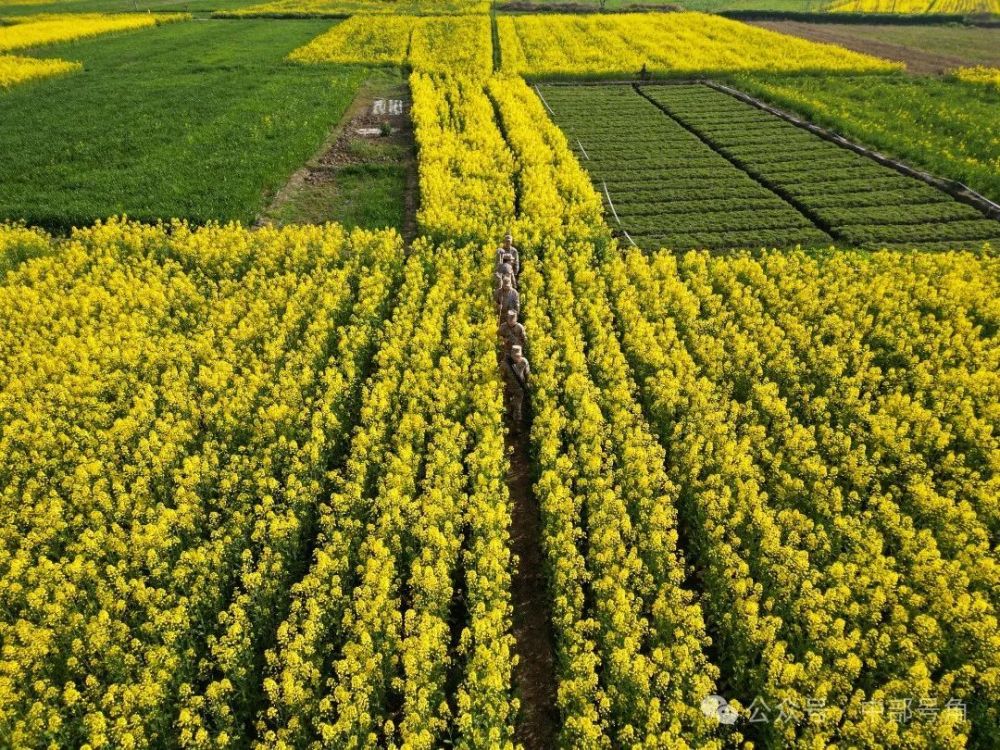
534	674
917	61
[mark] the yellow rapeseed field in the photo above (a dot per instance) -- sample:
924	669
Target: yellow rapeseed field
457	45
980	74
573	46
14	69
915	6
33	31
255	489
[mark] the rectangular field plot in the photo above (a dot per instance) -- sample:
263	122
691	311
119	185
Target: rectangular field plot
855	199
686	166
666	187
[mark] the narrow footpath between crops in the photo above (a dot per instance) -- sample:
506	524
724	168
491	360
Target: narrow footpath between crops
534	675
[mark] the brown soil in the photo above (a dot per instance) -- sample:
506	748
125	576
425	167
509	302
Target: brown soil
917	61
534	674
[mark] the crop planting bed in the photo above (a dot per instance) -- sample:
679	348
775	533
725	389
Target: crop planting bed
687	166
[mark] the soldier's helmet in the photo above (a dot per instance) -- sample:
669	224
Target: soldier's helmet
512	313
516	350
508	236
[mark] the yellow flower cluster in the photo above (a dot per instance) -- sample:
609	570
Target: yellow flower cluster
458	45
425	468
170	402
980	74
342	8
836	466
556	198
465	168
18	244
14	69
915	6
671	44
632	665
32	31
482	145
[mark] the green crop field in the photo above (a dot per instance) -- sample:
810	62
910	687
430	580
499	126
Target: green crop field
688	166
199	120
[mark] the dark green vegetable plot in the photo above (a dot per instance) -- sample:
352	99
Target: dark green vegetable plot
668	188
684	166
200	120
948	127
777	155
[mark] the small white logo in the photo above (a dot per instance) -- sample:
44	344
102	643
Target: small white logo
717	707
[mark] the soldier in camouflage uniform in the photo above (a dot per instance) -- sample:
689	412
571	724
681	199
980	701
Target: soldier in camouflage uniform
507	248
506	268
516	370
512	334
507	298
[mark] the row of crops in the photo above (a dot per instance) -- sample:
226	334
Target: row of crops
827	462
822	476
771	478
662	184
687	166
252	489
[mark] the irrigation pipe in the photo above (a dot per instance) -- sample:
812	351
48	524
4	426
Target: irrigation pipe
612	205
585	154
539	92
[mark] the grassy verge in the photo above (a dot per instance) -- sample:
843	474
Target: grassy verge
202	120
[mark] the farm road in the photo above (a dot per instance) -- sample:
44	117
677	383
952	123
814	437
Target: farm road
917	61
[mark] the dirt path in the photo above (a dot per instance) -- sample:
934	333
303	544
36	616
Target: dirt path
363	137
917	61
534	675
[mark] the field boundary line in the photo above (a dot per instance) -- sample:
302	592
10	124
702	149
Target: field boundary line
957	190
794	203
539	92
612	205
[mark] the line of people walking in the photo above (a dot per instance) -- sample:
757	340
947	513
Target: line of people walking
513	340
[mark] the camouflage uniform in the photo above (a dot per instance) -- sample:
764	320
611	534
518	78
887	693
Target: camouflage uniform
513	253
506	269
507	299
517	371
512	333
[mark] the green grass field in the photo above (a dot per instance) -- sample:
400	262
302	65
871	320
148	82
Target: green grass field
199	120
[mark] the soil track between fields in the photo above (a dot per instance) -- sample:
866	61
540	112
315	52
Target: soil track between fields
534	674
917	61
320	172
